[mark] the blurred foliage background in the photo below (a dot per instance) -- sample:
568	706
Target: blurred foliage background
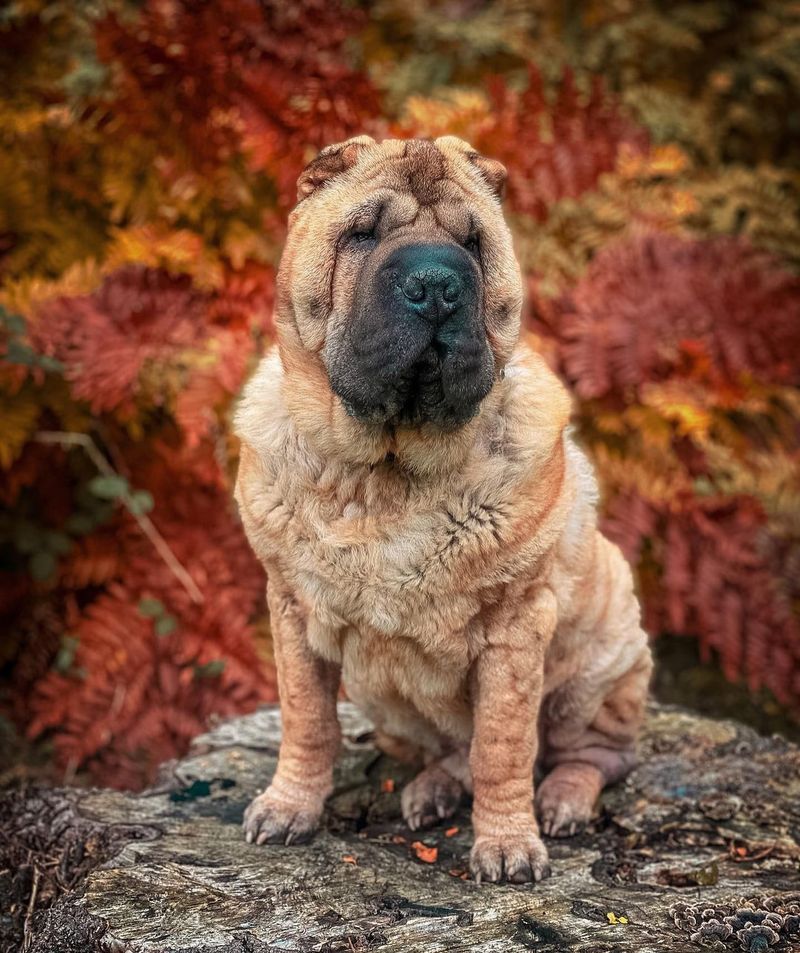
148	155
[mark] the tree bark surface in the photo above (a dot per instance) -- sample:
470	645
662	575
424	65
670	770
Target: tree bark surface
698	848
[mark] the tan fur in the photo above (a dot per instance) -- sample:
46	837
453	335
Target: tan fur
456	580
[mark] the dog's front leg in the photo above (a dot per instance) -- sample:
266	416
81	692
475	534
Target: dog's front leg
508	679
289	810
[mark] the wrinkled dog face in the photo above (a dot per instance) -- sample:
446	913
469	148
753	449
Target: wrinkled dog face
399	272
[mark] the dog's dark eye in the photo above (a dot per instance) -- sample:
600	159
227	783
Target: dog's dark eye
362	236
473	243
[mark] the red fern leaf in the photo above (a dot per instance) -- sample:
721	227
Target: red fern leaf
631	318
554	149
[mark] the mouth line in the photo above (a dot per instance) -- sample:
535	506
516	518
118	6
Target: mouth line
419	398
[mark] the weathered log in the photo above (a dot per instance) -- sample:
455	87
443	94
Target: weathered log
699	847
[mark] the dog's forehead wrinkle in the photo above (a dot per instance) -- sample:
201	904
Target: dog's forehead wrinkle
454	219
423	166
403	181
370	207
455	213
401	210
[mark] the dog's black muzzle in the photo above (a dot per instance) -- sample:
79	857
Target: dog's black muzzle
415	349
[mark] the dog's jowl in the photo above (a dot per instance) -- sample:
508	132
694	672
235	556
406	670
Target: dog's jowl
427	525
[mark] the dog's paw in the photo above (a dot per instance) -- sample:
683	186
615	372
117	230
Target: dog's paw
430	797
270	819
517	858
564	806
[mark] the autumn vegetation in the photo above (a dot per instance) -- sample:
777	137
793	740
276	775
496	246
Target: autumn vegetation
148	155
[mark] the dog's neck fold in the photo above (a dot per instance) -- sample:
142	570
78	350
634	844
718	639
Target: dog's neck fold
302	394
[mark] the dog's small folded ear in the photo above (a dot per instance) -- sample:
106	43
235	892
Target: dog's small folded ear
493	172
332	161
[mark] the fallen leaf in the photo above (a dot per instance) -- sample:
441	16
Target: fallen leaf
703	877
388	786
349	859
451	831
398	839
426	854
743	853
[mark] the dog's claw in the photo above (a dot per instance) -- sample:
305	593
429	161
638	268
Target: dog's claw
516	858
432	796
542	873
270	820
562	817
564	804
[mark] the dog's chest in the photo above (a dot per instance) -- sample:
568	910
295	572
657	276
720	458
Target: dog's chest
370	549
395	563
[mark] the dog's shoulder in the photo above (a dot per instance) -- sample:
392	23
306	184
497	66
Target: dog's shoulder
532	413
542	467
262	422
267	443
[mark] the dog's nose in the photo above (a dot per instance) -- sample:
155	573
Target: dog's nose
439	286
432	278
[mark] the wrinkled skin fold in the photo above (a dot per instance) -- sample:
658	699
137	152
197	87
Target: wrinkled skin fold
428	526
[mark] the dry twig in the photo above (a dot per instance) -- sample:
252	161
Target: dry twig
27	935
68	439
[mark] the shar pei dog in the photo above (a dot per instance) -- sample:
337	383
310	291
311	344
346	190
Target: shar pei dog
427	523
